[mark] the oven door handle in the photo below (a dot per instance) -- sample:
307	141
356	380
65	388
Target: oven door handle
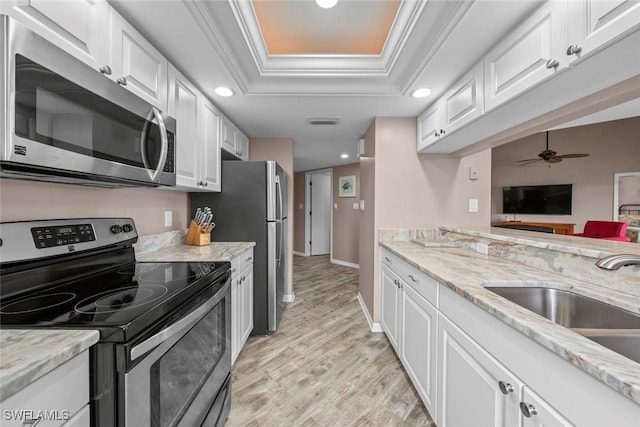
175	328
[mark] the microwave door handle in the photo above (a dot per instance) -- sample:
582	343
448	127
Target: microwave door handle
173	329
164	139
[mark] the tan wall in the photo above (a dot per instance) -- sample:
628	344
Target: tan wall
298	212
26	200
413	191
368	229
612	147
346	220
280	150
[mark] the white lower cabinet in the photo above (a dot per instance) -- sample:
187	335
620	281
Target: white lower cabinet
241	301
390	305
536	412
59	398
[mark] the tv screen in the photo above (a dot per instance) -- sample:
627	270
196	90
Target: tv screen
537	199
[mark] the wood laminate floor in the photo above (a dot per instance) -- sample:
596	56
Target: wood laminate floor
323	367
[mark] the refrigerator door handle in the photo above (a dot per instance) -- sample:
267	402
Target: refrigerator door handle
279	185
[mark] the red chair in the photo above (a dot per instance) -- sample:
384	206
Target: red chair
608	230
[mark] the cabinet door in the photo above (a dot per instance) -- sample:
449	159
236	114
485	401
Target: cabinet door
536	412
419	345
136	64
183	106
465	100
229	136
429	126
247	305
528	55
390	306
469	391
594	23
79	27
242	145
210	147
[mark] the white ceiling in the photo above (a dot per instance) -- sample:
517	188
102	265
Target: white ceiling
215	43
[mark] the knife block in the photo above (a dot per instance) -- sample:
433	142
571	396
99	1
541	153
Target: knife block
195	235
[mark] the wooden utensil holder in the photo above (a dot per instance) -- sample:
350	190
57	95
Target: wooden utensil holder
195	235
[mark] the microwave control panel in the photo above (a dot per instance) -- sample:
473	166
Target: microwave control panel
49	237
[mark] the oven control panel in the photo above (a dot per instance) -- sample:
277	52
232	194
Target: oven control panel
49	237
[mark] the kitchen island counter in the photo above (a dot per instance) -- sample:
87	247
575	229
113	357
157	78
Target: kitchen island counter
28	354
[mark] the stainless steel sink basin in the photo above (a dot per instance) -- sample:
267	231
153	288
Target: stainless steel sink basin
626	344
569	309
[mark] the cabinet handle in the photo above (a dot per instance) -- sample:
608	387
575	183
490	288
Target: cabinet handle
122	81
528	410
436	134
574	49
250	258
505	388
106	70
233	270
206	184
552	63
412	278
387	259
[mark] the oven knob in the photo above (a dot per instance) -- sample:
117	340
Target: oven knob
115	229
127	228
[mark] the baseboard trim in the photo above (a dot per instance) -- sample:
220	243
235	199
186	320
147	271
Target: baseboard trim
299	253
345	263
375	327
289	297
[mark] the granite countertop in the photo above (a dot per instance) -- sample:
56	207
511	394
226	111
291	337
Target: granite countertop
26	355
216	251
464	271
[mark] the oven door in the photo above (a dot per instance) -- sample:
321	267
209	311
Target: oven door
177	383
67	120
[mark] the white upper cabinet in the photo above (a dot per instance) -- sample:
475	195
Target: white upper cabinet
183	106
210	152
430	124
594	23
464	102
229	133
79	27
242	145
534	51
136	64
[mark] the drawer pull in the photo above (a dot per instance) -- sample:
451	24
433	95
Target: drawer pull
387	259
233	270
528	410
412	278
505	388
250	258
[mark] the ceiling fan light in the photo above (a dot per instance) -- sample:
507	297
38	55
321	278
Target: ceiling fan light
421	93
326	4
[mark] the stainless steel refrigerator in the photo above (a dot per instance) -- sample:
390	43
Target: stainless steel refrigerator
252	207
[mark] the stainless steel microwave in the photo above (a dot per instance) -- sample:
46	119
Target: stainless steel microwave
63	121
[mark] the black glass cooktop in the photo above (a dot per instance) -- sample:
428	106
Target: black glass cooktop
119	301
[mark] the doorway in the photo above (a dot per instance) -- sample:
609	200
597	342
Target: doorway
319	196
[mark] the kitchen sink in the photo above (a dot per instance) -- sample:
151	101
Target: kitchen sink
624	343
608	325
569	309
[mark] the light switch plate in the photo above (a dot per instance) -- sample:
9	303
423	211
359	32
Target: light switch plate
168	218
300	206
473	205
356	206
361	205
335	206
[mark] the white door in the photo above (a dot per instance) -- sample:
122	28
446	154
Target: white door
320	213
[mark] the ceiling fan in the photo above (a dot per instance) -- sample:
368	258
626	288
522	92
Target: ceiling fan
550	156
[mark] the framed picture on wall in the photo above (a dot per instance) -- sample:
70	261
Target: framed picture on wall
347	186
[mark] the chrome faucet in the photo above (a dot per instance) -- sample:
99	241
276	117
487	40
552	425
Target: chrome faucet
614	262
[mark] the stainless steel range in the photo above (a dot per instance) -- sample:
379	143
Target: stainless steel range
164	353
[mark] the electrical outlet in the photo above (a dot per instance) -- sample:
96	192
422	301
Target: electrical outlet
356	206
473	205
481	248
361	205
335	206
168	218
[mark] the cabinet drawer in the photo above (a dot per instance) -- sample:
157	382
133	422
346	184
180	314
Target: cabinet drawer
59	394
423	284
241	262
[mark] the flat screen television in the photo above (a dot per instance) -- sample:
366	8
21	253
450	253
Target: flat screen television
537	199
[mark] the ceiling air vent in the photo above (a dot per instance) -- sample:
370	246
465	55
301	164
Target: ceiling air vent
323	120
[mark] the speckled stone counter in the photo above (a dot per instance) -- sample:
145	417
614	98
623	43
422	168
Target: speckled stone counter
26	355
216	251
464	271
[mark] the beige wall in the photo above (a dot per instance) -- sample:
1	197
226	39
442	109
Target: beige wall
298	212
346	228
612	147
27	200
415	191
280	150
368	229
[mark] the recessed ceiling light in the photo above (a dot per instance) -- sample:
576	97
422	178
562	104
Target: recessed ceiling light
326	4
421	93
344	155
223	91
